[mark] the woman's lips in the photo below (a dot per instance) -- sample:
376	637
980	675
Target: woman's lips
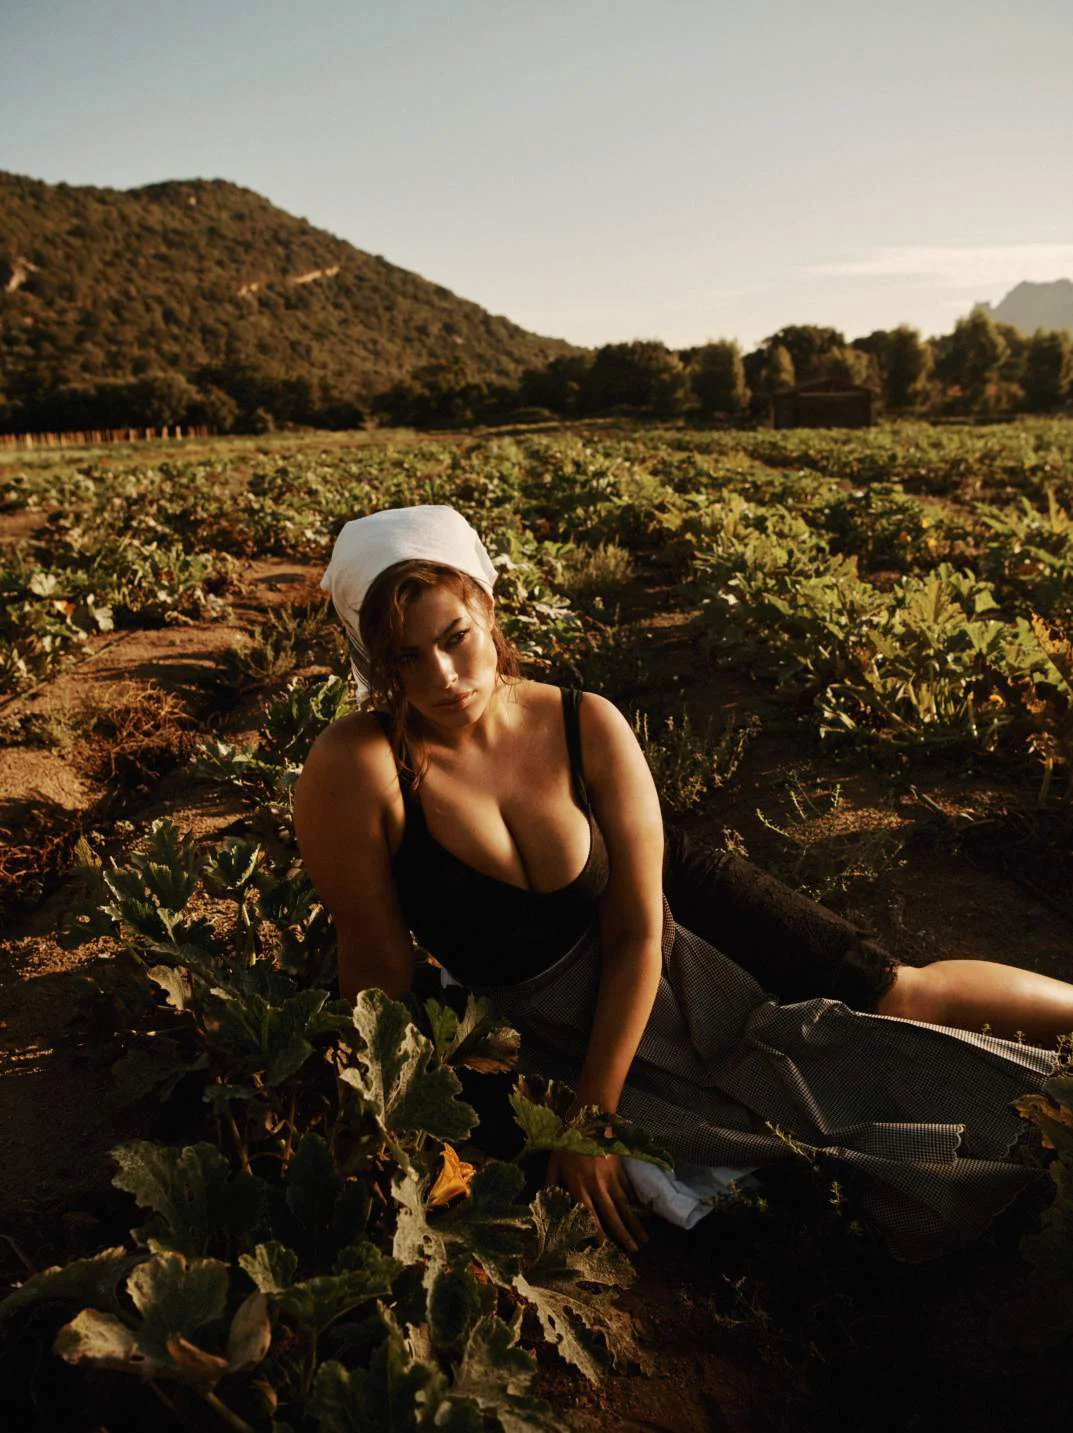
456	704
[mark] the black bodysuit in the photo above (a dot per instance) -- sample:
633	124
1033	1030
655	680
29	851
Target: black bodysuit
483	930
486	931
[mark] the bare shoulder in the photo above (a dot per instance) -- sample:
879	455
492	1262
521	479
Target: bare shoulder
352	753
602	719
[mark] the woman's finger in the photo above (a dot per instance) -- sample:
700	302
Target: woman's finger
613	1223
631	1218
591	1207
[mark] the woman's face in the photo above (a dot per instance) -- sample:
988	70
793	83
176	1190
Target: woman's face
447	661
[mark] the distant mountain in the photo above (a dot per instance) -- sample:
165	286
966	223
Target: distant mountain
1031	306
210	281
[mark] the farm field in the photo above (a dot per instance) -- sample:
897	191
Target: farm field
849	655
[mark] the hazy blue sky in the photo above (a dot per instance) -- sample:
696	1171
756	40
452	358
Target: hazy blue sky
598	169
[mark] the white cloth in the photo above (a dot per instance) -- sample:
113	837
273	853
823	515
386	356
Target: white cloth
367	546
686	1193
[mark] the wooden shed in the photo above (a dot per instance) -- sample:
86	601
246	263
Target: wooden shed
823	403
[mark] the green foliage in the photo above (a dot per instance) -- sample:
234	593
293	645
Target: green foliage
1048	371
717	377
807	344
1037	1316
398	1078
975	354
688	763
89	1281
230	289
545	1116
175	1299
288	638
1029	554
642	375
266	774
569	1285
320	1189
191	1193
882	526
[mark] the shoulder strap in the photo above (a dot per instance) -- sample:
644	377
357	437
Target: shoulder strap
571	720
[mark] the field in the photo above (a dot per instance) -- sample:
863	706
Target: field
849	655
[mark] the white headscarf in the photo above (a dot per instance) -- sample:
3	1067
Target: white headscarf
366	546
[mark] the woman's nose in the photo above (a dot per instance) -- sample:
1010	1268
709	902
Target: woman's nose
444	669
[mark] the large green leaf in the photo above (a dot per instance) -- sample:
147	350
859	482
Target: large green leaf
154	1066
398	1078
84	1281
495	1374
271	1266
312	1183
489	1226
258	1034
191	1191
395	1393
362	1273
454	1306
587	1131
478	1039
149	896
175	1299
582	1322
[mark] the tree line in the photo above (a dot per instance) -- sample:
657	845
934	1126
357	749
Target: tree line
981	368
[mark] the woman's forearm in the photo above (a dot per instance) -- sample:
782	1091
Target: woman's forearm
628	986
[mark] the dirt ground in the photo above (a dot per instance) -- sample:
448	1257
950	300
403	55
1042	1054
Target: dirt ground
58	1111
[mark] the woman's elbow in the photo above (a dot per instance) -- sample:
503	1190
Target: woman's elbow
393	975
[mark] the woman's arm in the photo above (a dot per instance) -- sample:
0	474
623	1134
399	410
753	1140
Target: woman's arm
626	807
341	803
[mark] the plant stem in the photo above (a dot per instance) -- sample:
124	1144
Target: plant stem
18	1252
168	1404
290	1131
243	1156
229	1416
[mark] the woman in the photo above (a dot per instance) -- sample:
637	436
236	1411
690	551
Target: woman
516	830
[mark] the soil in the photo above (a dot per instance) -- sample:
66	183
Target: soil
59	1111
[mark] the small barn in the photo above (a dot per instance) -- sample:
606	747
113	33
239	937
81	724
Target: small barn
823	403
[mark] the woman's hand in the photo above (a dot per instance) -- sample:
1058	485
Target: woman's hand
599	1183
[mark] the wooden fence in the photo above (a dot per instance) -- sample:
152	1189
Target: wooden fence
97	437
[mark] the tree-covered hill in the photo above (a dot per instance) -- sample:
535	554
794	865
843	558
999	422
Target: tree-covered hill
104	293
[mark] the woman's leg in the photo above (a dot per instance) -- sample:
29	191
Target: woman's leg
797	949
969	994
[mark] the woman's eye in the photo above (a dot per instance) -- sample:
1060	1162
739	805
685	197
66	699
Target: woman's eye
458	638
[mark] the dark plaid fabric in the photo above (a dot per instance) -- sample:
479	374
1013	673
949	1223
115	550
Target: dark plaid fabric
920	1113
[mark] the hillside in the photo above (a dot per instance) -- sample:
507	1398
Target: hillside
209	280
1031	306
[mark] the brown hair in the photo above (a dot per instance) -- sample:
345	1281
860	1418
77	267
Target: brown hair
380	624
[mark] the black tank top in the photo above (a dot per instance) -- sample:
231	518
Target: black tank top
483	930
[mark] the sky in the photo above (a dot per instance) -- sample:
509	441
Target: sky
596	170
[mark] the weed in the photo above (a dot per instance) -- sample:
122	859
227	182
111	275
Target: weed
689	763
140	734
822	862
50	730
290	637
597	571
